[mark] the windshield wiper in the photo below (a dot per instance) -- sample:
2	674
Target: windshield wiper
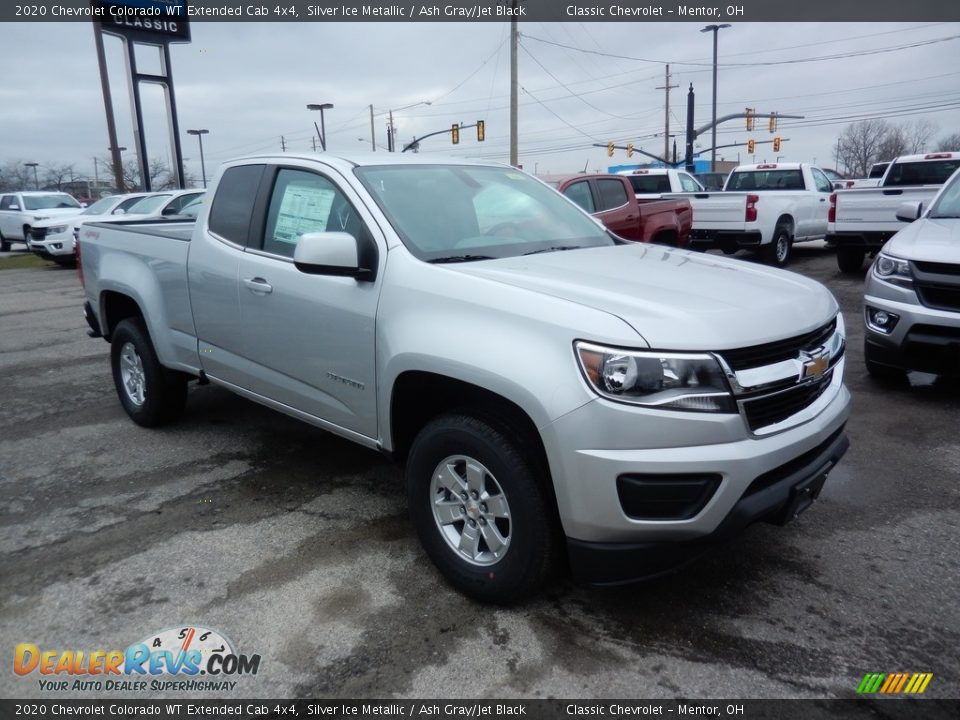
943	217
554	249
460	258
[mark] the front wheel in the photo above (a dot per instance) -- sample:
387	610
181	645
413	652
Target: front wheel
777	253
151	394
478	508
4	244
850	259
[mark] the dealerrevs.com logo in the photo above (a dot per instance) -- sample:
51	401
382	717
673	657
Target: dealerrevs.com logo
186	658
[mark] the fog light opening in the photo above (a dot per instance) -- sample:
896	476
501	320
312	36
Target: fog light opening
881	321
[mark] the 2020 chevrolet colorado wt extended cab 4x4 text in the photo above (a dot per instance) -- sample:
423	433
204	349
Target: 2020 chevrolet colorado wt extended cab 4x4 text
552	389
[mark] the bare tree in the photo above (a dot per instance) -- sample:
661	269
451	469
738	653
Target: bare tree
918	133
949	143
14	175
57	175
893	143
161	176
860	144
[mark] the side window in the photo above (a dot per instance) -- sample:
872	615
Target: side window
580	193
304	202
5	202
688	183
233	202
612	194
823	183
178	203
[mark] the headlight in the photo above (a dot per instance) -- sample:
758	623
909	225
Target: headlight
892	270
56	230
668	381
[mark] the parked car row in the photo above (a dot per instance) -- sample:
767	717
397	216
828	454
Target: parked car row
53	238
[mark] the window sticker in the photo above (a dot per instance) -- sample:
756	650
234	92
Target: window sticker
304	208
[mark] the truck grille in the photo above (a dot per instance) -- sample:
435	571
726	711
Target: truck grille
38	233
940	268
774	352
771	409
939	297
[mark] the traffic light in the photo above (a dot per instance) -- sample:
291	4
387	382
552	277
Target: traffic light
751	147
481	131
455	134
776	144
749	119
610	149
773	122
629	149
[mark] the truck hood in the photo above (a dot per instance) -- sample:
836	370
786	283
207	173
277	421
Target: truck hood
53	216
933	239
675	299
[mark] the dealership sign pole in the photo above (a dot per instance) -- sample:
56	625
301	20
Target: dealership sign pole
155	23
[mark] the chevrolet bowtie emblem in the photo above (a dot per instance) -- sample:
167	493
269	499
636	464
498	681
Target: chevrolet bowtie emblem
815	367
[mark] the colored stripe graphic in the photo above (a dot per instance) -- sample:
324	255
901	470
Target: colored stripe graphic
894	683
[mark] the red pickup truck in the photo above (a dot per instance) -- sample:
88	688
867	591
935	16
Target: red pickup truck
611	199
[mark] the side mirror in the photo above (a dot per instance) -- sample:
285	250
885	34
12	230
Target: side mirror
169	211
330	253
119	211
909	211
83	204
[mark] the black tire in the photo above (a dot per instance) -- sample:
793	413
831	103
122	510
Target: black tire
777	253
4	244
65	261
879	371
164	392
531	552
850	259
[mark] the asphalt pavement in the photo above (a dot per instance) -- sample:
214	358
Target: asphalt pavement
296	546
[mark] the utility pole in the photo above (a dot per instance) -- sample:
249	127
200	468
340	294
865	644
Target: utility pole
283	144
514	47
313	140
373	137
666	113
390	131
688	154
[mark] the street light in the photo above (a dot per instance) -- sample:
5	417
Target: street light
322	133
390	131
36	183
713	133
203	169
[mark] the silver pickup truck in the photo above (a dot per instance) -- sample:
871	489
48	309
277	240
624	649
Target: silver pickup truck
557	394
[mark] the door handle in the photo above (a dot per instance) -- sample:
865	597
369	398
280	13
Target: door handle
823	199
258	285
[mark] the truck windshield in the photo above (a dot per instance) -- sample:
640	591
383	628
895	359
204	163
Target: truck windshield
100	207
948	204
49	202
459	213
149	204
766	180
930	172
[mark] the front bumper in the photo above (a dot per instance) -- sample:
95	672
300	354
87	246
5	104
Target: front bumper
56	246
777	496
924	338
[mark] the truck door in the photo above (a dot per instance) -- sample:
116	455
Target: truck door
310	338
9	218
615	209
821	207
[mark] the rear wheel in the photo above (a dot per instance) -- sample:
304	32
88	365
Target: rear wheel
479	509
151	394
850	259
4	244
777	253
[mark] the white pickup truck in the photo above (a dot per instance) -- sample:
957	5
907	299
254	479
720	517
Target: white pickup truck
765	208
861	220
556	392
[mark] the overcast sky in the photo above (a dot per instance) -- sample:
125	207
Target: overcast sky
249	83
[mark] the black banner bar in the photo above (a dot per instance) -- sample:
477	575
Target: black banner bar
154	11
178	709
